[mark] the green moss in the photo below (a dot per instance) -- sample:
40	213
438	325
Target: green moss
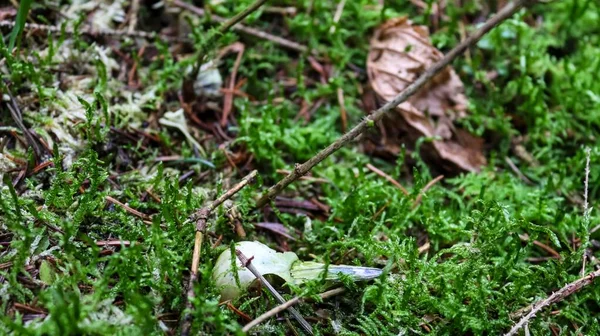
479	267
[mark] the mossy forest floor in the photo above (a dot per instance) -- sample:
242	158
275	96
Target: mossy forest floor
97	187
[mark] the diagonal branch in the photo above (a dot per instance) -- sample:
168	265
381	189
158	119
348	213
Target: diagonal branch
301	169
247	262
223	28
200	217
280	41
284	306
560	295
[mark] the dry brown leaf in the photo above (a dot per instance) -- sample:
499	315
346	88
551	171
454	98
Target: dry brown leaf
399	53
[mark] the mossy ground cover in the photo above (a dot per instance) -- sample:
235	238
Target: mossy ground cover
474	249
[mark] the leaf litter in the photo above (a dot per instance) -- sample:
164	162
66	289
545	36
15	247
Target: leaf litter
399	53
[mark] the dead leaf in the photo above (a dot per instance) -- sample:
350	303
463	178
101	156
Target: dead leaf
399	53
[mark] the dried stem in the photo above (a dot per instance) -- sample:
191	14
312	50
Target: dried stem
560	295
387	177
133	16
284	306
248	264
586	209
127	208
17	116
425	188
92	32
246	30
301	169
200	217
225	26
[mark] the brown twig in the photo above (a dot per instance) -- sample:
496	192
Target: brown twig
301	169
247	30
525	238
560	295
223	28
337	16
228	96
284	306
586	209
387	177
248	264
17	116
92	31
516	170
343	114
425	188
133	15
200	217
127	208
113	243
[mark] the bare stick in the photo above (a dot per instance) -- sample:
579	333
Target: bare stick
387	177
586	209
301	169
133	15
248	264
282	307
425	188
246	30
17	116
560	295
127	208
241	16
92	32
225	26
200	217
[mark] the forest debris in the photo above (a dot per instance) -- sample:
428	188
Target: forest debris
399	53
177	120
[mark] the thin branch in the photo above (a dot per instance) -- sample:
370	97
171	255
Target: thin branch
425	188
86	30
234	190
248	264
284	306
343	114
586	209
387	177
200	217
225	26
246	30
337	16
228	96
127	208
133	15
17	116
301	169
241	16
560	295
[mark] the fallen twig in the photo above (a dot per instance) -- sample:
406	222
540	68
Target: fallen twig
425	188
248	264
127	208
284	306
586	207
17	115
228	96
241	28
92	32
301	169
200	217
387	177
343	114
560	295
223	28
